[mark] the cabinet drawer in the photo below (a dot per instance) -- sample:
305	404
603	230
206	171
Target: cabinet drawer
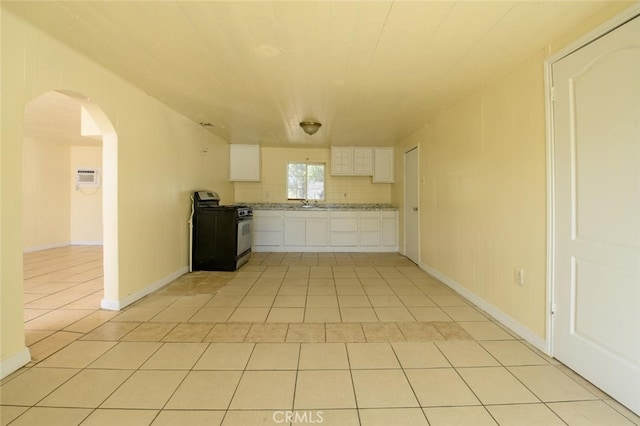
266	213
305	214
344	225
343	214
370	215
268	224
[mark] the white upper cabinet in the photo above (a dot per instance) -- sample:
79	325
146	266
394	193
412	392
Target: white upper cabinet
244	163
362	161
341	160
351	161
383	165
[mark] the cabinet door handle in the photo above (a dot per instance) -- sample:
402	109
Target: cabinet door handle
415	209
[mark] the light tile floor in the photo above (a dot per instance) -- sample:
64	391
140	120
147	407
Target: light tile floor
291	338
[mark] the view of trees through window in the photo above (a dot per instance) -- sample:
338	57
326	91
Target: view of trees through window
305	181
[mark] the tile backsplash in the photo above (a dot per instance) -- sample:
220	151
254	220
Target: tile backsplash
338	189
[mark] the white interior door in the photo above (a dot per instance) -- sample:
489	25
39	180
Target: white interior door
596	282
411	214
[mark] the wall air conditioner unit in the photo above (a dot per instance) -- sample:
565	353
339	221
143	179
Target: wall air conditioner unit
87	177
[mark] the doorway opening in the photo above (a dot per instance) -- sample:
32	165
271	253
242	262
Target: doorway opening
65	132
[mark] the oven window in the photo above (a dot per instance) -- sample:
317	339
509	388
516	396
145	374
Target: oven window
305	181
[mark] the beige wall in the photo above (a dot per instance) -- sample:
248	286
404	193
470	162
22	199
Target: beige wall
86	201
484	199
55	211
483	202
46	194
272	187
159	163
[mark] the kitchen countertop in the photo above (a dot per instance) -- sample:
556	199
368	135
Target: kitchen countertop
320	206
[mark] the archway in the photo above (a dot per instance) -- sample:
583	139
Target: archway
77	115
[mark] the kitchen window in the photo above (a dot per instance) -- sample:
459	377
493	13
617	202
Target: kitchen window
305	181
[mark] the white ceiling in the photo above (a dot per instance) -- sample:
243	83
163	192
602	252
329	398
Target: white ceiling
372	72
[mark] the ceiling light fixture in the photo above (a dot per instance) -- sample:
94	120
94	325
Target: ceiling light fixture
310	127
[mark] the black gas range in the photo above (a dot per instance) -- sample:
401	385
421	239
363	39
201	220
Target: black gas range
221	235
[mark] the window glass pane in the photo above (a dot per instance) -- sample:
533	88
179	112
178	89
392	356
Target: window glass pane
296	185
315	181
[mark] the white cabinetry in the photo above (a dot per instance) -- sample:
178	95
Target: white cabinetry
267	228
294	231
378	229
244	163
370	229
351	161
343	229
316	232
362	161
330	230
309	229
389	228
341	160
383	165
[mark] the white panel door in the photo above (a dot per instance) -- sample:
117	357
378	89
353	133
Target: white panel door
596	326
411	214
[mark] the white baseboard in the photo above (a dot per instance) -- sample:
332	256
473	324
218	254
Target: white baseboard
116	305
86	243
332	249
496	313
46	247
15	362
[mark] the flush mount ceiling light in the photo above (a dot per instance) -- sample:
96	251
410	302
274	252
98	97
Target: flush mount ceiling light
310	127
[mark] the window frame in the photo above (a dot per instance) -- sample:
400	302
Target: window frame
306	180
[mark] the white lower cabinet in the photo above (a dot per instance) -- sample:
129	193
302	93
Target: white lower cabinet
295	232
335	230
370	229
308	229
343	229
316	232
267	228
389	225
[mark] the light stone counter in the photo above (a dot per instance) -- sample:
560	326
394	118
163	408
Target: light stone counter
320	206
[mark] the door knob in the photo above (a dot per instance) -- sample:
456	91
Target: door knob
415	209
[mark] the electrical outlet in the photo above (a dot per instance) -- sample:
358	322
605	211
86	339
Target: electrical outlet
518	276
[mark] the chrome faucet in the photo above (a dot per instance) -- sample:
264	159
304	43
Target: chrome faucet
305	202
